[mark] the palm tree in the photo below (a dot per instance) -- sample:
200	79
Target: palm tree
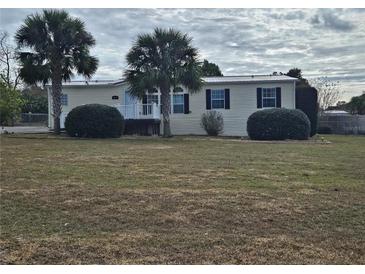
52	47
164	60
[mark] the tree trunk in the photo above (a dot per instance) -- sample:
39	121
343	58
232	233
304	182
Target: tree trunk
56	99
166	109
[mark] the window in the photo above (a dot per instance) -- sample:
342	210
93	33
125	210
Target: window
218	98
152	98
64	99
268	97
178	103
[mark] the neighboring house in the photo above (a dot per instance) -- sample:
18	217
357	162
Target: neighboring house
236	97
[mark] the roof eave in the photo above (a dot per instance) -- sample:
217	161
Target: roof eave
109	84
251	82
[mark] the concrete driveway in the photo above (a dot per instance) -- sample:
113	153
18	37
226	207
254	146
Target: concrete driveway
35	129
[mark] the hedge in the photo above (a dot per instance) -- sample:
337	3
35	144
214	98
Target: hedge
306	100
94	121
278	124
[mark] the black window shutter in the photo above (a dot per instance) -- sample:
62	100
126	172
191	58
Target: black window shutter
144	103
259	97
208	99
226	99
186	103
278	97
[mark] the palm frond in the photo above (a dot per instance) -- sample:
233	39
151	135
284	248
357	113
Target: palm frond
165	57
56	39
33	68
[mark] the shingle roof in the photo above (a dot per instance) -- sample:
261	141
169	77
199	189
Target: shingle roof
207	80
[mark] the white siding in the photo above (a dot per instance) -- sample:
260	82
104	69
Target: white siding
90	95
243	103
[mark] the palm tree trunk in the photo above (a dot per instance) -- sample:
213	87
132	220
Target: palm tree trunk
166	103
56	99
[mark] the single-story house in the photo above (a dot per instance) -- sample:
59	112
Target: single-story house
236	97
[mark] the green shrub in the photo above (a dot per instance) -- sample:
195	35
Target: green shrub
278	124
212	122
94	121
34	103
10	104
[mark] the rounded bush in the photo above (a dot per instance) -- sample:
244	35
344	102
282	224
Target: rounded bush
278	124
94	121
212	122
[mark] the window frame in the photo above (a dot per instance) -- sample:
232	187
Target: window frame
152	98
268	97
179	104
220	99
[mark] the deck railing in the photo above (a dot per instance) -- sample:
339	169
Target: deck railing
139	111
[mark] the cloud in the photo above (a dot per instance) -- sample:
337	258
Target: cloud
240	41
287	15
328	19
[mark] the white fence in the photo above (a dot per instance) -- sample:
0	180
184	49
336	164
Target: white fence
139	111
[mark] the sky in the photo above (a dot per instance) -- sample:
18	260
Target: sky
321	42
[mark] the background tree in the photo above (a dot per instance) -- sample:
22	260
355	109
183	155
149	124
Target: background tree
164	59
10	104
9	71
210	69
53	47
297	73
356	105
35	100
328	92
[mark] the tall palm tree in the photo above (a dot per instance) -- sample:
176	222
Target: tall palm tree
164	59
52	47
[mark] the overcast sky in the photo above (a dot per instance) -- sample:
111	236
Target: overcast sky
325	42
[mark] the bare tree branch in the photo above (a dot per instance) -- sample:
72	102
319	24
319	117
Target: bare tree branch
9	71
329	92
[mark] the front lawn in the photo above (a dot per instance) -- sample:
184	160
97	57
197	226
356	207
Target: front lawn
185	200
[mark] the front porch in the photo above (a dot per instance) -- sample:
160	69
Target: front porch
140	111
141	119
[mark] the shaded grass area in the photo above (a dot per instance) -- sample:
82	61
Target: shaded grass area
181	201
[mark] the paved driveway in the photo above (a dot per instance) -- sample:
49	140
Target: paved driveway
35	129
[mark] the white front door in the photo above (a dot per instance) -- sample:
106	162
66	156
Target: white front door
130	106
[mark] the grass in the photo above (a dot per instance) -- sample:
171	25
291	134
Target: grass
185	200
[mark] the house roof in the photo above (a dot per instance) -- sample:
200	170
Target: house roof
207	80
248	79
93	83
